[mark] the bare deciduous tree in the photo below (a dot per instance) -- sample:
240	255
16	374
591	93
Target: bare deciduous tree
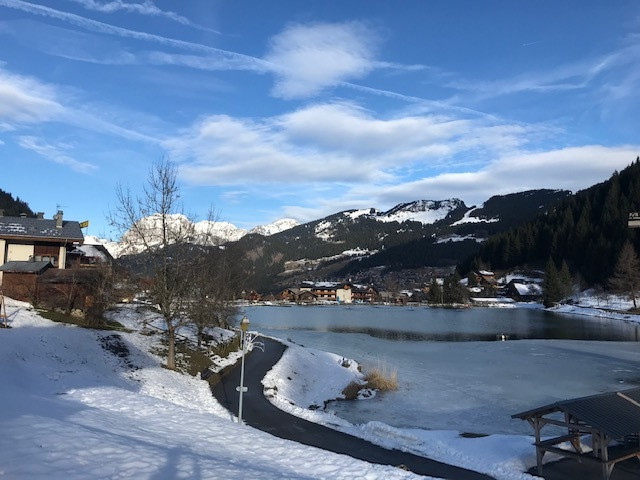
215	283
155	224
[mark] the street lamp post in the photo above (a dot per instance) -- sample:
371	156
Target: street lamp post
244	326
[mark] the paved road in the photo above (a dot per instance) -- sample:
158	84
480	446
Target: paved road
261	414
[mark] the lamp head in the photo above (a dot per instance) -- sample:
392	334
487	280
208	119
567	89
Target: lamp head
244	324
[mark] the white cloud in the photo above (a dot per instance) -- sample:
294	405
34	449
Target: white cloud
570	168
25	100
55	153
309	58
335	142
221	150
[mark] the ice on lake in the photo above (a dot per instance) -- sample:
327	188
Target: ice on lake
473	384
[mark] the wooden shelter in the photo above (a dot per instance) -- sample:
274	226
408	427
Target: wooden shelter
608	418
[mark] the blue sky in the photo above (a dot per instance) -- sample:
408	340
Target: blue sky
277	109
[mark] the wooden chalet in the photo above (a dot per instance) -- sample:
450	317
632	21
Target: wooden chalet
608	418
288	295
29	247
307	296
24	239
364	294
523	291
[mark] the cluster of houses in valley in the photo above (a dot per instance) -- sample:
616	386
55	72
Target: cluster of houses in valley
483	289
44	261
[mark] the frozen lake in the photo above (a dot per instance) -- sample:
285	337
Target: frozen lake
452	372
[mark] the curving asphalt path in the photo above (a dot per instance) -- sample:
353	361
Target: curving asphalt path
261	414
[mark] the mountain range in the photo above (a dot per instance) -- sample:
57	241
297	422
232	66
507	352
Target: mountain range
422	233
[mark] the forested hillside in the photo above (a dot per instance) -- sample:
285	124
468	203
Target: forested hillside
587	230
13	207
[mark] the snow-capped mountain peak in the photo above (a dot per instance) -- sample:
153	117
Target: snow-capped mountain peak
423	211
275	227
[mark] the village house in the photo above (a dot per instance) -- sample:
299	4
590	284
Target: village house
485	281
40	261
364	294
288	295
522	290
24	239
330	291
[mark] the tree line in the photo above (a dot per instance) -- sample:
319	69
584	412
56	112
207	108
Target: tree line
587	231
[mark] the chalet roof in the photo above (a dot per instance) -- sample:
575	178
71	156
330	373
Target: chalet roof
528	289
25	267
98	252
615	413
68	275
41	228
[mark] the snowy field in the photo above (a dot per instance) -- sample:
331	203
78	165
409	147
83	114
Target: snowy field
70	409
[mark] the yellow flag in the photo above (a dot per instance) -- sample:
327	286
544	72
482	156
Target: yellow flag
84	224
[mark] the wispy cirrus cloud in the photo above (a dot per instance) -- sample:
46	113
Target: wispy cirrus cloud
27	101
304	58
572	76
55	153
234	60
147	7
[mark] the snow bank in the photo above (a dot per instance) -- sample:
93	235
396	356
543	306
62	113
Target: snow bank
307	378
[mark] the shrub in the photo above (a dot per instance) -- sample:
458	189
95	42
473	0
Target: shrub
350	392
380	379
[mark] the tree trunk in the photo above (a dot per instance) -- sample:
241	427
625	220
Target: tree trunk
171	354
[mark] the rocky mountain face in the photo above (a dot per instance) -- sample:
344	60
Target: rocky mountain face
204	232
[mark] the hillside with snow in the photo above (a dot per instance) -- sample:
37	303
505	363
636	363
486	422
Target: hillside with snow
412	235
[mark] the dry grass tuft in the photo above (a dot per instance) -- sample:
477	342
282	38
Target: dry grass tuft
382	380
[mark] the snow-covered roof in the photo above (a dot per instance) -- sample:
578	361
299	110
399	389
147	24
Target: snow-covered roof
41	228
528	289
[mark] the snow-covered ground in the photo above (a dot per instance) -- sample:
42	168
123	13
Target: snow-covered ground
592	304
71	409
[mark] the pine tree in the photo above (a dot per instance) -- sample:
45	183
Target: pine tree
435	293
565	282
550	286
626	276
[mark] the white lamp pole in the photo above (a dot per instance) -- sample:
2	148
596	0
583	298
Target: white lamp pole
244	326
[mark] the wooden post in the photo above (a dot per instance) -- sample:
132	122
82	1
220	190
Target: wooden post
3	311
539	452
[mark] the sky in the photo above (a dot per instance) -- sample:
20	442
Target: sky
274	109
